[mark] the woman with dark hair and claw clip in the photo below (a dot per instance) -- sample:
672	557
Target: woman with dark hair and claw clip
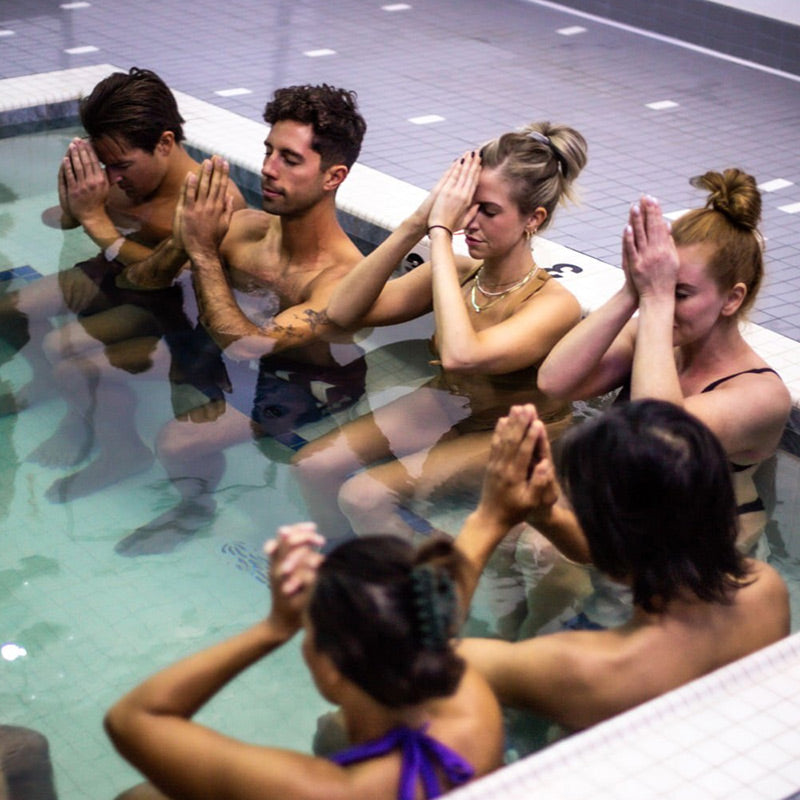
378	618
649	501
496	315
691	285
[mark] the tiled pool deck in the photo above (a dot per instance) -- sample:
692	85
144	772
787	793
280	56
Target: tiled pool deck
477	69
484	69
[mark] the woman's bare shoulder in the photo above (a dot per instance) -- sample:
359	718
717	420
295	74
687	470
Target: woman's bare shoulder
765	580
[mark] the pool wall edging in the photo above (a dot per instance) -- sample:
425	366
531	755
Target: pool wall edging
378	203
370	202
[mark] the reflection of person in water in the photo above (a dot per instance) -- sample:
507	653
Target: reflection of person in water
649	500
262	280
691	284
378	618
497	316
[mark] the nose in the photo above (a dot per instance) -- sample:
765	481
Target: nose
471	218
268	167
113	175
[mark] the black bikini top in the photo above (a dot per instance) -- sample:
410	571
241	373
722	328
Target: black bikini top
713	385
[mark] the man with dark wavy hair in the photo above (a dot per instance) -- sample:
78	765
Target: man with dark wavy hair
121	185
262	280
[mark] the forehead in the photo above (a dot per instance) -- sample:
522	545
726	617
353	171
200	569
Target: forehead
113	150
693	263
287	134
493	187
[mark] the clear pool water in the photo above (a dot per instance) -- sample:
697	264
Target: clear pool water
81	624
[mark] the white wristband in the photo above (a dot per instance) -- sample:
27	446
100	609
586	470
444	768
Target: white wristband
112	251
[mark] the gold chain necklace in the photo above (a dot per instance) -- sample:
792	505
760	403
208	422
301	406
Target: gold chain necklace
498	296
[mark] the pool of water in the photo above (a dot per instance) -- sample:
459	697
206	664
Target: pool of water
91	623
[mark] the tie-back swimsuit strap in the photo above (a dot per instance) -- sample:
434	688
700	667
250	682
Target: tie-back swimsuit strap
420	755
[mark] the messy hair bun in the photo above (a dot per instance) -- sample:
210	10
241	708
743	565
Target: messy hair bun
541	160
729	223
385	613
734	194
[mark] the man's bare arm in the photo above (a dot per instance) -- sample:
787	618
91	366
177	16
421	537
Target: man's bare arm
243	339
158	269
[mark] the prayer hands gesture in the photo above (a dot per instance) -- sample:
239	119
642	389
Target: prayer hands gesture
204	209
520	482
649	256
82	182
451	199
293	564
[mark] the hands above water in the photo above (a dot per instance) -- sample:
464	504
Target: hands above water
82	182
203	212
649	256
519	485
452	197
294	561
465	165
520	482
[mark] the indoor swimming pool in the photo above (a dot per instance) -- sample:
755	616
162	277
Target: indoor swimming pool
85	623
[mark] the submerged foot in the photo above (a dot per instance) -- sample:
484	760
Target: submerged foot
31	393
9	404
68	446
102	472
172	529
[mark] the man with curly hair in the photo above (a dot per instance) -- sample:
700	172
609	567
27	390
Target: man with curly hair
262	280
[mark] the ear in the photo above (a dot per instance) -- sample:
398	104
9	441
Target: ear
334	176
734	300
328	678
165	143
536	220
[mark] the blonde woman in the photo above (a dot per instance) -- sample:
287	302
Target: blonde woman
497	315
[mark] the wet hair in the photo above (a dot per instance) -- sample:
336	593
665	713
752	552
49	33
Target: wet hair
541	161
729	222
651	487
136	105
333	115
385	613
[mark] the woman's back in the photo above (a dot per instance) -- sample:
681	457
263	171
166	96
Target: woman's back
379	617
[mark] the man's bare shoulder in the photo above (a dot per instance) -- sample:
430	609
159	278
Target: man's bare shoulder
336	266
249	227
251	223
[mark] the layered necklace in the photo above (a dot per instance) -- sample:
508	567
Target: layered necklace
496	296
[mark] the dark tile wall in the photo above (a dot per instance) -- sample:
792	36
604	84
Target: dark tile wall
753	37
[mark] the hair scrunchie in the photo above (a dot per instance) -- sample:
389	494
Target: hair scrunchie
435	605
545	140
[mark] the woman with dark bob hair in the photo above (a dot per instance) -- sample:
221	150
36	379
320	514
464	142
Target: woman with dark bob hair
643	492
379	617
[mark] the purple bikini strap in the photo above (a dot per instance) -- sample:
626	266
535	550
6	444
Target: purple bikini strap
420	753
